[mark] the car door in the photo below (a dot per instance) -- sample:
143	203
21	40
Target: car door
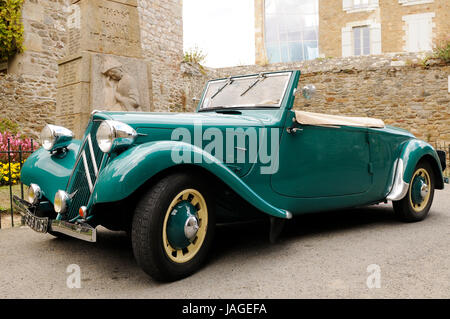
323	161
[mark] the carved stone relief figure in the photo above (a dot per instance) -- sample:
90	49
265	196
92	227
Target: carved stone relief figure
121	90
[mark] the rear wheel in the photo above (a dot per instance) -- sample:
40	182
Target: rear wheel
173	227
417	202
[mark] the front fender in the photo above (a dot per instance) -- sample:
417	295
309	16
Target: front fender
413	152
132	168
51	171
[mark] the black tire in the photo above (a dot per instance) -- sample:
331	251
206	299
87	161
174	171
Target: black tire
404	208
148	223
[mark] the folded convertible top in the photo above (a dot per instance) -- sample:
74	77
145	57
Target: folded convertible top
308	118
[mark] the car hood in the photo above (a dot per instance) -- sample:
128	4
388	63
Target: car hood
161	126
174	120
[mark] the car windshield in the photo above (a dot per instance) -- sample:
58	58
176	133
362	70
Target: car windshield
263	90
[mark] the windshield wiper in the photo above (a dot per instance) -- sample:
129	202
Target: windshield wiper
261	78
215	108
230	81
232	111
237	107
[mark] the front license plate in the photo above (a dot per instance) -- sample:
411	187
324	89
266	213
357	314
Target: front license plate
39	224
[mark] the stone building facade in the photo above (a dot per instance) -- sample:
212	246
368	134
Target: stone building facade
161	24
28	84
394	25
362	27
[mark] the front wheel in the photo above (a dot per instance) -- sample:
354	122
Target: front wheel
417	202
173	227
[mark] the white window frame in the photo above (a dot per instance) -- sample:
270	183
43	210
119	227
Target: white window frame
347	40
361	40
413	2
350	6
411	18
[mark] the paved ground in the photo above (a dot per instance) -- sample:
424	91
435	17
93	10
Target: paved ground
319	256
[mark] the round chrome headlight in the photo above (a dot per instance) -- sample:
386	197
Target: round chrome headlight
105	137
114	135
34	194
61	202
54	137
47	138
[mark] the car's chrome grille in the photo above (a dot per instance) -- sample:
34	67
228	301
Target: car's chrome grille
84	175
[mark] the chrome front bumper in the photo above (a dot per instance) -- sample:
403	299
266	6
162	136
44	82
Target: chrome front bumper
44	224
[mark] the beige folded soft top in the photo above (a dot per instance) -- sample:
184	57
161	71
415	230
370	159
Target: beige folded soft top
308	118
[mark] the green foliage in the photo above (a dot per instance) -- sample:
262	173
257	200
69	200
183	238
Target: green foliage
442	51
7	125
11	28
195	55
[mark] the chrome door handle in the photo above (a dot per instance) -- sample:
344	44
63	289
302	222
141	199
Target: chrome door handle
293	130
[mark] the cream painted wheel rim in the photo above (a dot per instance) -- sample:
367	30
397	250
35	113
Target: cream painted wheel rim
198	201
424	174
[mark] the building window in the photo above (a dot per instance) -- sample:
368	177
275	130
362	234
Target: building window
351	6
413	2
418	32
291	30
361	40
360	3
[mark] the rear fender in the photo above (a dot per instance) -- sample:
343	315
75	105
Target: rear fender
415	151
132	168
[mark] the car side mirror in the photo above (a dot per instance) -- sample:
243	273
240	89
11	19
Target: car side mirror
309	91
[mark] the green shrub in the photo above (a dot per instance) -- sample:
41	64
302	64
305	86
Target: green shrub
11	28
7	125
195	55
442	50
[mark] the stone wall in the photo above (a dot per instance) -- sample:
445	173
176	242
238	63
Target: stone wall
162	44
28	90
28	101
395	88
260	46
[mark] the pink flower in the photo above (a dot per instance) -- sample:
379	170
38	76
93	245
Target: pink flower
15	143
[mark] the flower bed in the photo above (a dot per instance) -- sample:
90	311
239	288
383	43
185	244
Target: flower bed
19	149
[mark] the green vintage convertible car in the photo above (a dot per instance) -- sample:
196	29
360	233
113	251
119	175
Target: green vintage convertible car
168	178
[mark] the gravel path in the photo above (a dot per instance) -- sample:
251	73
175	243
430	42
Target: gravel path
319	256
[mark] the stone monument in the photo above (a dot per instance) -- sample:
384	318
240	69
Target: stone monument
104	68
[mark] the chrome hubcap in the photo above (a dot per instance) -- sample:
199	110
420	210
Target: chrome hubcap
420	190
191	228
185	226
424	190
